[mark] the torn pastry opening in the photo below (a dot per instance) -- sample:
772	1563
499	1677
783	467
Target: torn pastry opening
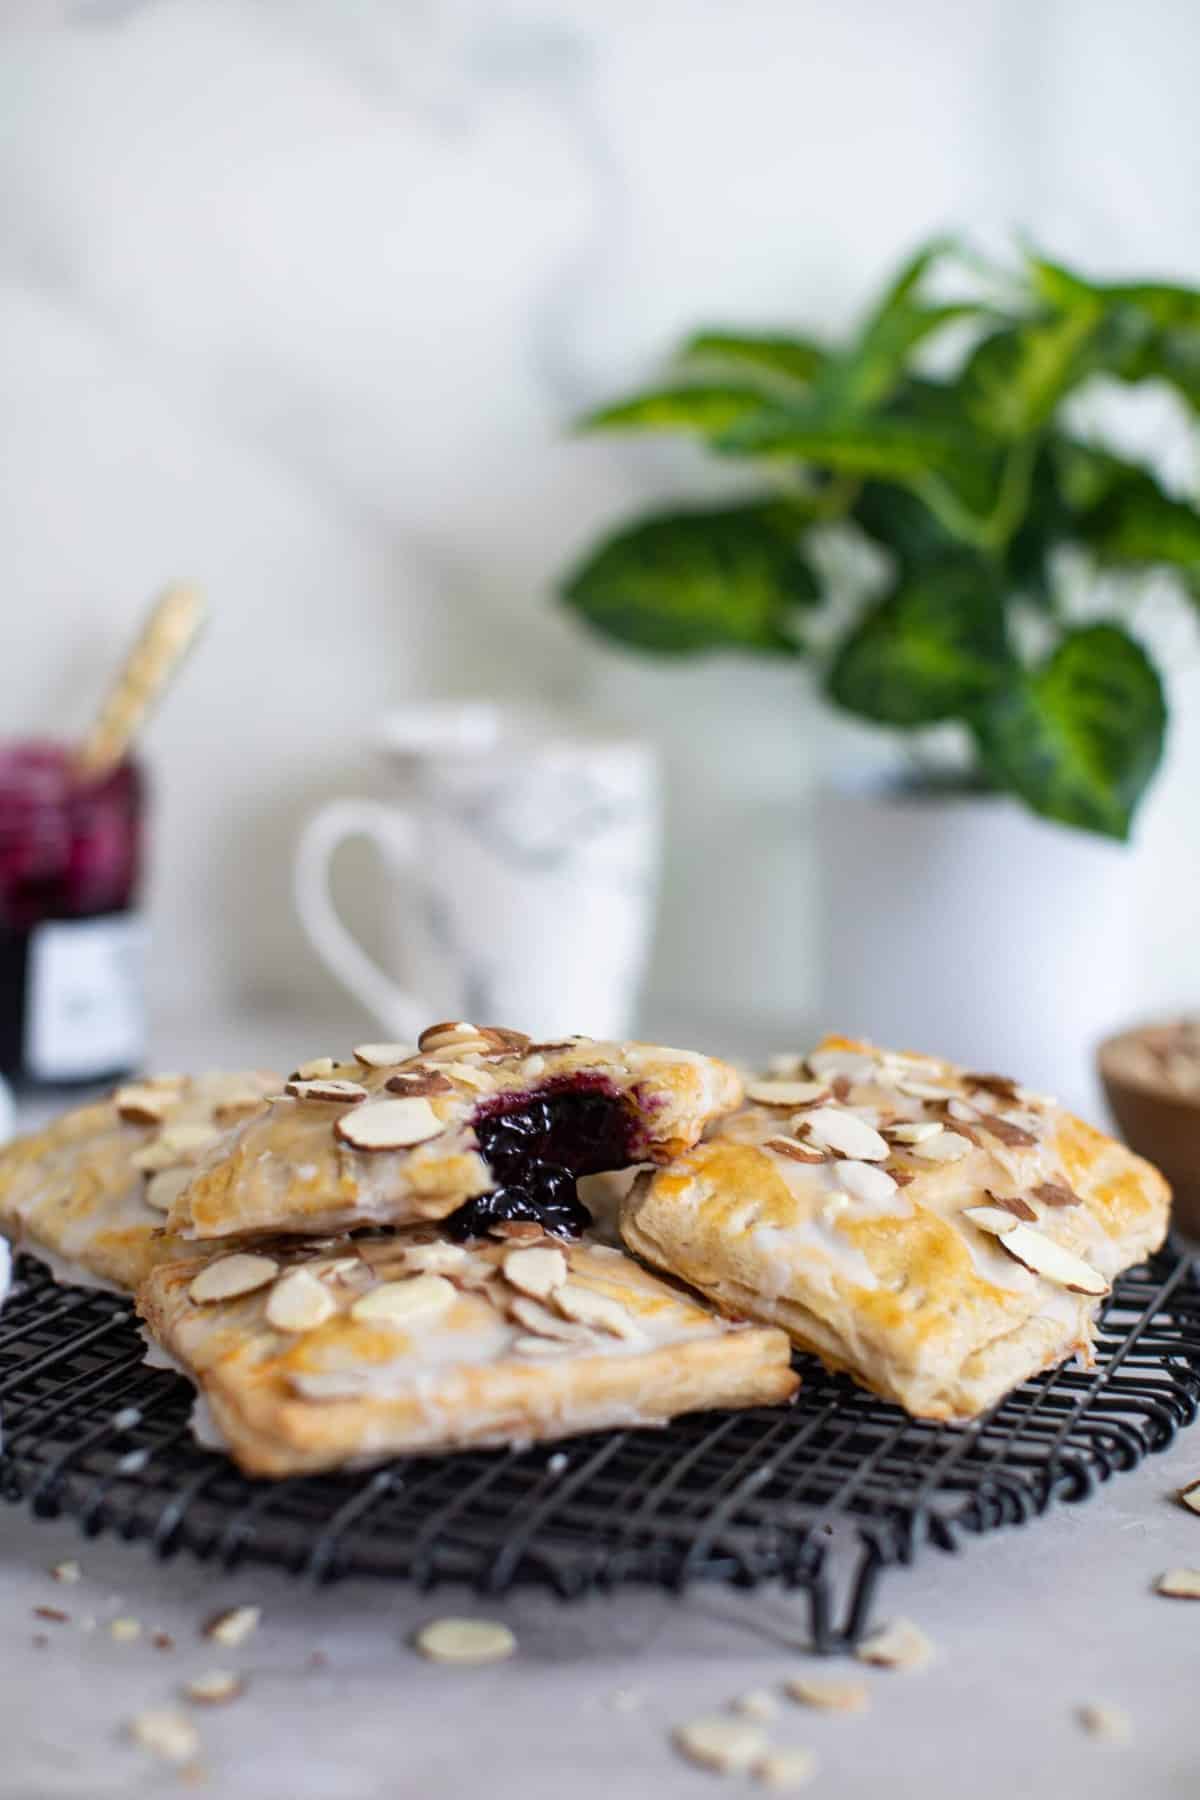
538	1144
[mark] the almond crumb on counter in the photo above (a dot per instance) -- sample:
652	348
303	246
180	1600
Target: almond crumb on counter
55	1614
830	1696
731	1746
233	1626
465	1641
1189	1496
785	1770
162	1640
1109	1724
215	1687
759	1703
125	1631
167	1733
68	1571
1179	1584
900	1645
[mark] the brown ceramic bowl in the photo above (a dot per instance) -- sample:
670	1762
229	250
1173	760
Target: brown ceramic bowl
1156	1117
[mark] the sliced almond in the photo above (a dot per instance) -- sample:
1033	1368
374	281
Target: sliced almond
787	1093
923	1090
1190	1496
830	1696
786	1770
994	1219
790	1146
315	1070
586	1307
416	1082
167	1733
187	1140
67	1571
329	1384
947	1146
914	1131
404	1303
229	1276
382	1056
478	1079
993	1084
138	1105
348	1092
1013	1203
299	1301
1007	1131
232	1108
961	1109
233	1626
446	1031
900	1645
465	1641
163	1190
1055	1193
730	1746
125	1631
536	1272
438	1258
1111	1724
215	1687
541	1322
1179	1584
389	1125
759	1703
845	1133
866	1181
1046	1258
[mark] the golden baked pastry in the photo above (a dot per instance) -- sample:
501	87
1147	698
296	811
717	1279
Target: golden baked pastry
89	1194
478	1123
340	1355
941	1235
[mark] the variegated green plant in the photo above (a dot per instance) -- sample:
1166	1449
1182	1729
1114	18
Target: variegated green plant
972	481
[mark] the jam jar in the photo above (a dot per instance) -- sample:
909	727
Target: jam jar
72	1005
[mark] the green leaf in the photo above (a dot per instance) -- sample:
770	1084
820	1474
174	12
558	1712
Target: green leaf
707	410
1079	737
689	581
1123	514
930	650
1018	376
895	449
793	358
900	522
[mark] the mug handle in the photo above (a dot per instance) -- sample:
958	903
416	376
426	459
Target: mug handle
399	1012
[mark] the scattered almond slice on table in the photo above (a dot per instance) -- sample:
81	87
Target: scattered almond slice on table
731	1746
829	1695
465	1641
1110	1724
1190	1496
1179	1584
166	1732
215	1687
759	1703
125	1631
233	1626
66	1571
900	1645
785	1770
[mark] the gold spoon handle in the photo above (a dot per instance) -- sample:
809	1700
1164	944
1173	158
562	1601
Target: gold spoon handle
161	646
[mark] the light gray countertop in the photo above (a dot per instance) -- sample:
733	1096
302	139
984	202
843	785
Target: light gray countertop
1030	1624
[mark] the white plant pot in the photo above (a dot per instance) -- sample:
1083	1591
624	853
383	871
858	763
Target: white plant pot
967	927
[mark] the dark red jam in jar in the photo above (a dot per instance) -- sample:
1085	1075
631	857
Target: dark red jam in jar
71	937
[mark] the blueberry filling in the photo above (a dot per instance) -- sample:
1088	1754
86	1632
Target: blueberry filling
537	1150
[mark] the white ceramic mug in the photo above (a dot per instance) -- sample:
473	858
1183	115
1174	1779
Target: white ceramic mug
521	867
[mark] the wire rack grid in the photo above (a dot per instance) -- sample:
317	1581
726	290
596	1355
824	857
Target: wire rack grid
822	1496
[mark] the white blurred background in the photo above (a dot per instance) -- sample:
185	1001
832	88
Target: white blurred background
298	297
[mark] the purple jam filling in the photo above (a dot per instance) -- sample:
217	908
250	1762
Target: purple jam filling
538	1148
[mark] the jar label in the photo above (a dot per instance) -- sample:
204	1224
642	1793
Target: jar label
85	1005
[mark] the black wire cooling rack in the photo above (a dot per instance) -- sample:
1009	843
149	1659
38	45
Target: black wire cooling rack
821	1496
